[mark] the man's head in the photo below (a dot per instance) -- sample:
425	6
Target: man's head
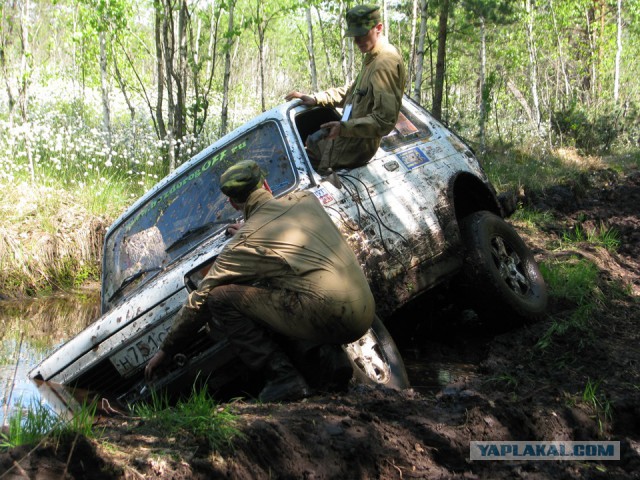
363	23
239	180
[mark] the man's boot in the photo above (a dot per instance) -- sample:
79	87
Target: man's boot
333	368
284	382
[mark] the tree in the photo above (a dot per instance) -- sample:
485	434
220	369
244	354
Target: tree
230	35
419	55
438	89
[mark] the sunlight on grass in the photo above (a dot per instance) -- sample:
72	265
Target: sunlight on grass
601	236
575	281
598	402
30	425
199	415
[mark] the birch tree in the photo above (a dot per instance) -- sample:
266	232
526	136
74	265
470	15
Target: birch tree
616	81
228	47
438	89
419	56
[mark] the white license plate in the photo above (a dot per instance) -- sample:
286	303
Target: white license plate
133	356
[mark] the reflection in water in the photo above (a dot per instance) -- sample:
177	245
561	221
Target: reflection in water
30	330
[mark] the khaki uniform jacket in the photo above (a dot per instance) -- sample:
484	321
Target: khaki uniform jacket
376	97
292	245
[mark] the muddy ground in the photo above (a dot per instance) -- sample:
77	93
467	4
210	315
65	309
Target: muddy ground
469	383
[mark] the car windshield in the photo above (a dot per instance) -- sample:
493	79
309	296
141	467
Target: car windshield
187	211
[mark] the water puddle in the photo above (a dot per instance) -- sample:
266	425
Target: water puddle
31	330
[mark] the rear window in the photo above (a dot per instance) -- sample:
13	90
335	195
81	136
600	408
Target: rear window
409	129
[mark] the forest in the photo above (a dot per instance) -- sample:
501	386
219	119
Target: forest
101	98
560	72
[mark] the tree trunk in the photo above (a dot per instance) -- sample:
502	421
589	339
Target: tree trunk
25	63
344	47
533	64
261	35
227	72
311	50
567	86
385	18
616	78
104	87
481	83
180	79
417	87
436	109
412	45
159	115
326	48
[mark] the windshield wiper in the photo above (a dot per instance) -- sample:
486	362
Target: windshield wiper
132	278
197	230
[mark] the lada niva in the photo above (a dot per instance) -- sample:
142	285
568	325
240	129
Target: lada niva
421	213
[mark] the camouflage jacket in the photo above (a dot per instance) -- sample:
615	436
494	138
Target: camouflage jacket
289	244
375	96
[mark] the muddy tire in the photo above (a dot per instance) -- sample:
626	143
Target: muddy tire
501	276
376	359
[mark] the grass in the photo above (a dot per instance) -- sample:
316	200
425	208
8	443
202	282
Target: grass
598	403
601	236
199	415
30	425
575	281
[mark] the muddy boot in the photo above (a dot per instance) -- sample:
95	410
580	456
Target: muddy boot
284	382
335	366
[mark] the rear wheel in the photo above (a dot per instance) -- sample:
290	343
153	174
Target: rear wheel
500	273
376	358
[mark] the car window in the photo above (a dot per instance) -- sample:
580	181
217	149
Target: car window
409	129
188	210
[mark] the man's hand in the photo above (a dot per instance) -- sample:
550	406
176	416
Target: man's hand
233	228
155	361
334	129
306	99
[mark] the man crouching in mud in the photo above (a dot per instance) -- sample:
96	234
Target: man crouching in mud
288	271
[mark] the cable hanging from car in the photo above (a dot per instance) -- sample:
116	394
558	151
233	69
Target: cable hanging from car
376	216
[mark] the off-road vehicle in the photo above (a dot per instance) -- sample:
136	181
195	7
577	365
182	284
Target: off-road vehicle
420	213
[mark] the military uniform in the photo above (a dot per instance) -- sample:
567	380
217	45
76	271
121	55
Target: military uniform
375	98
289	269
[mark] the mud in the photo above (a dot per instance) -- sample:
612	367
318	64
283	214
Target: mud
469	383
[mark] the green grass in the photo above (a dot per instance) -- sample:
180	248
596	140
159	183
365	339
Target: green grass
30	425
601	236
574	281
199	415
598	403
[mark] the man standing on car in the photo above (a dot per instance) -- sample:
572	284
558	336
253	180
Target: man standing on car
370	104
287	270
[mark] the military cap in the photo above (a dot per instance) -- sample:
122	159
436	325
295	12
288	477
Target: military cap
361	19
241	179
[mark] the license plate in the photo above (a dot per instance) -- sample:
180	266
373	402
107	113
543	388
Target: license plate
136	354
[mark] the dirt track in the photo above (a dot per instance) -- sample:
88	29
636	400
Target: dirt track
508	390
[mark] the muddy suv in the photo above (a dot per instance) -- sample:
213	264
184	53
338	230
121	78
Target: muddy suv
419	214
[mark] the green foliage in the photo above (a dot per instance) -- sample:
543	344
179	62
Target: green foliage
575	127
601	236
31	425
598	402
198	415
574	281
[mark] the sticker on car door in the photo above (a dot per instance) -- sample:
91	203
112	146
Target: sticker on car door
413	158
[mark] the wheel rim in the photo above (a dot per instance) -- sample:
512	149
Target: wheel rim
369	359
510	266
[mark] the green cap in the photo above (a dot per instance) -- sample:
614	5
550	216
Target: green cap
361	19
239	180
